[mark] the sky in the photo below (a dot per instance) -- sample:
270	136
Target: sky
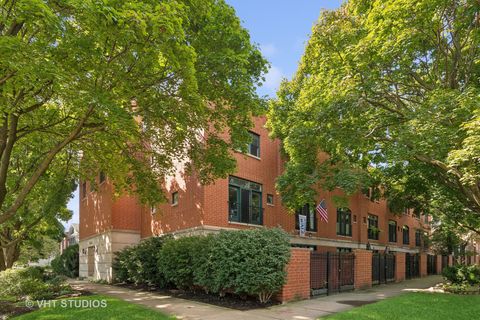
281	29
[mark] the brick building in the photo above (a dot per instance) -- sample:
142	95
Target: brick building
246	199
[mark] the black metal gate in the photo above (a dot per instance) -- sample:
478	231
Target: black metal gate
412	265
383	268
331	272
431	264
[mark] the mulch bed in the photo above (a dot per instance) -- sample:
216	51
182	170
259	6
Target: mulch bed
230	301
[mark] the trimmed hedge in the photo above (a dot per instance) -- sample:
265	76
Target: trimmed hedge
244	262
67	263
139	264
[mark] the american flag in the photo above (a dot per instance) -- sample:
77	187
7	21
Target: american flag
322	210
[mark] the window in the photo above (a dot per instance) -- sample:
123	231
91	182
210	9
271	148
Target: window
373	230
406	235
418	238
245	201
84	189
344	250
392	231
153	210
270	199
174	198
405	211
254	145
308	211
344	222
102	177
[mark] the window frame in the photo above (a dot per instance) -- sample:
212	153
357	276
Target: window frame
394	224
372	218
309	212
406	235
343	222
270	203
254	136
243	186
174	199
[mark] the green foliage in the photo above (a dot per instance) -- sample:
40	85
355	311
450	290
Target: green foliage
461	274
389	91
176	260
248	262
31	283
139	264
67	263
69	71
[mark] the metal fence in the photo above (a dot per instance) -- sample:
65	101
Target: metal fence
331	272
412	265
383	268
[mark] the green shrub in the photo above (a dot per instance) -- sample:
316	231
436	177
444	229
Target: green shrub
139	264
67	263
462	274
250	262
177	258
31	283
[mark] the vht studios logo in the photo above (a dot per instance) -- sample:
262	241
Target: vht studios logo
66	303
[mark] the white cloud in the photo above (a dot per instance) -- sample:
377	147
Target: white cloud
273	78
268	50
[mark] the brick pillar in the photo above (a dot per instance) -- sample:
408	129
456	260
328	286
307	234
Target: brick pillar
450	260
400	266
423	265
297	285
363	269
439	264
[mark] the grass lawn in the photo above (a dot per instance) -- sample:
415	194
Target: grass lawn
435	306
115	309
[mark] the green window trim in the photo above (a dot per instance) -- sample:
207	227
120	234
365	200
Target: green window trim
245	201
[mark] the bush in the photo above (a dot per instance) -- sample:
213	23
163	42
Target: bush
461	274
180	258
31	283
139	264
67	263
246	262
250	262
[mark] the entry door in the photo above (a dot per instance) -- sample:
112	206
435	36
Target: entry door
91	260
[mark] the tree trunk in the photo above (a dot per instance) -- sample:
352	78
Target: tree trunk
2	260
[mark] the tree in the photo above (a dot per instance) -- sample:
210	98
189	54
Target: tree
70	69
390	91
37	223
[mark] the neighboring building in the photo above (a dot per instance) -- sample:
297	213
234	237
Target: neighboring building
247	199
72	236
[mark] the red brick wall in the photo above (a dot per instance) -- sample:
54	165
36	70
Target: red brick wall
95	210
400	258
423	264
363	269
450	260
439	264
297	285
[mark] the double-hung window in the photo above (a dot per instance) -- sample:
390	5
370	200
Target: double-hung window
418	238
307	210
373	230
344	222
392	231
244	201
406	235
254	145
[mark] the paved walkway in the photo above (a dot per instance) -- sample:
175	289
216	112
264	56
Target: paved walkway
300	310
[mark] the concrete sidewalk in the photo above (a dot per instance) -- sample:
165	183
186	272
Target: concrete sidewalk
300	310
